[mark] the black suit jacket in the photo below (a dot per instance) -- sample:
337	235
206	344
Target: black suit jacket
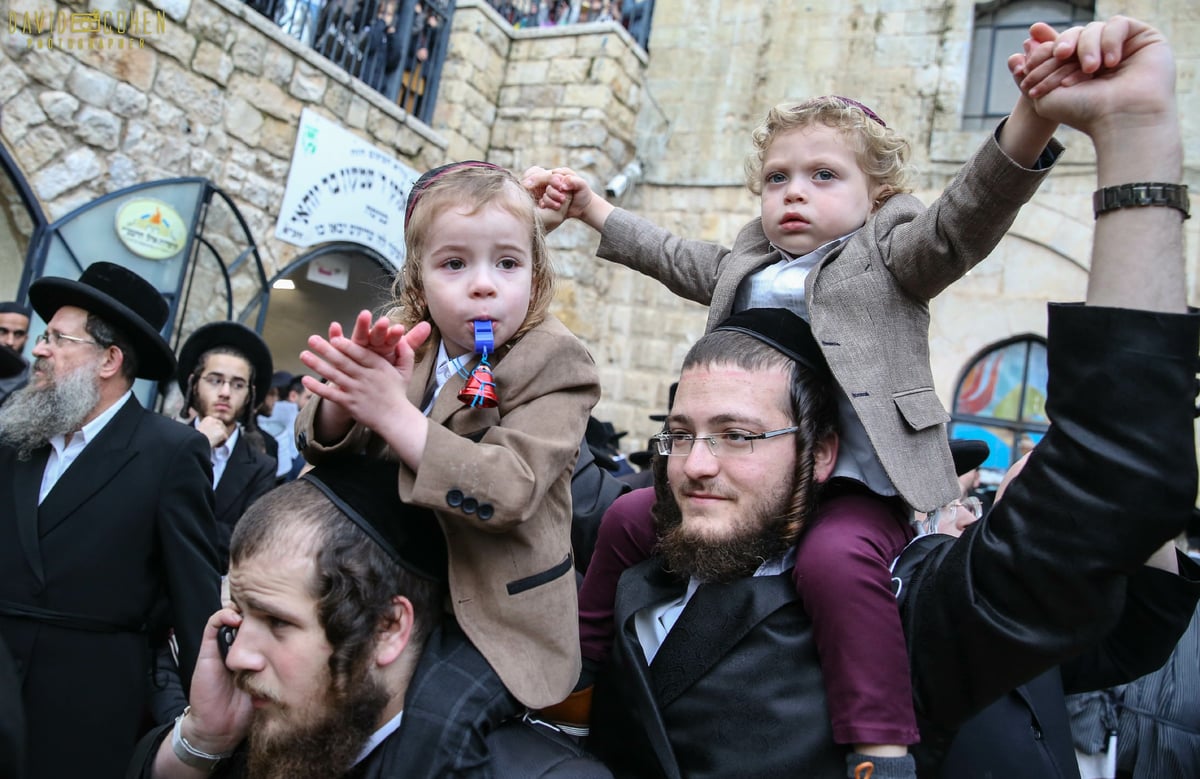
1027	733
1044	576
130	522
248	475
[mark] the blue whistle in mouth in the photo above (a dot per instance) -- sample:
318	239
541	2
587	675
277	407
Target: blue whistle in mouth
485	342
480	389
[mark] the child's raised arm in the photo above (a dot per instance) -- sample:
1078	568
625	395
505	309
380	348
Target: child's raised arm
1025	134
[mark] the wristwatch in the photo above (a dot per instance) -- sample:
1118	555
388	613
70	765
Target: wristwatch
1147	193
188	754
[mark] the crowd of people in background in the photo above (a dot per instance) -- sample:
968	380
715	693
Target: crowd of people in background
426	558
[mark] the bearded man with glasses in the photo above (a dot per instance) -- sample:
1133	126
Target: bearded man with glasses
106	514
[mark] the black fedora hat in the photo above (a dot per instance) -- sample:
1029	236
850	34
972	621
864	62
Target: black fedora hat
232	334
968	454
121	298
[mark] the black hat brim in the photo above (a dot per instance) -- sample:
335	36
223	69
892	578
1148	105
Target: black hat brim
232	334
968	454
154	357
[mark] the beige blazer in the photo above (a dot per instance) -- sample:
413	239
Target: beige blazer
499	480
867	299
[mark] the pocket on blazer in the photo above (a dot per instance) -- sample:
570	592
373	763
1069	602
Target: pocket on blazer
921	408
538	579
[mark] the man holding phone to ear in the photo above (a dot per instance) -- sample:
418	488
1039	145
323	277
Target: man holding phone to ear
336	590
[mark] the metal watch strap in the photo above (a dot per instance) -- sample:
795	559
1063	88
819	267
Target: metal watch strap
1147	193
188	754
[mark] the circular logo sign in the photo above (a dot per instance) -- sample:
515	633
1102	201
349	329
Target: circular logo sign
150	228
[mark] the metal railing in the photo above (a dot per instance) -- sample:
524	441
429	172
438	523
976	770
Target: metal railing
634	15
396	47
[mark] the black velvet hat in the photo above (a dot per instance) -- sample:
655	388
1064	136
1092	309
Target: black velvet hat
13	307
232	334
121	298
968	454
364	489
783	330
428	177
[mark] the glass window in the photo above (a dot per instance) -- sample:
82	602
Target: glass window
1000	28
1001	399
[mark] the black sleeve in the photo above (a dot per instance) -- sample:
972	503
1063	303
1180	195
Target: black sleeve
1043	576
1158	609
187	535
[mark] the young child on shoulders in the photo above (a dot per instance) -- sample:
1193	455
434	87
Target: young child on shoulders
483	396
840	243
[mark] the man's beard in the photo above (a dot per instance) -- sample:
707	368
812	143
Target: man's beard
323	748
758	537
35	414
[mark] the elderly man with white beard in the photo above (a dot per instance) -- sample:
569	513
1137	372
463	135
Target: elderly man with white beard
105	508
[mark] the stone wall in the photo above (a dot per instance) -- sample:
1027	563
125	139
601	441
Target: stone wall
215	93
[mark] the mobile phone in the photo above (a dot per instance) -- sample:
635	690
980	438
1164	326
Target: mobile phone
225	637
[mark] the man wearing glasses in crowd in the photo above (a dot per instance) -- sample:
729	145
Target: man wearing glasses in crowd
224	371
106	511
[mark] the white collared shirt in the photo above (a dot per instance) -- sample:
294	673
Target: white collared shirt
222	453
62	453
781	284
378	737
444	370
655	621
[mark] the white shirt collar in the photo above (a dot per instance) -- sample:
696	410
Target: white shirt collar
92	429
445	369
378	738
817	253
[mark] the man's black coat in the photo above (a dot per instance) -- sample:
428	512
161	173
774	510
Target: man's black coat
129	522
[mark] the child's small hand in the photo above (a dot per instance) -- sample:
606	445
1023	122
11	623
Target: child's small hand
1120	72
370	387
381	337
563	194
1041	68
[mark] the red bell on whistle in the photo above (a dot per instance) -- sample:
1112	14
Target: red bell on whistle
480	389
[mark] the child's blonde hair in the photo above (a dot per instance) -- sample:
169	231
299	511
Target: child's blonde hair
881	153
474	185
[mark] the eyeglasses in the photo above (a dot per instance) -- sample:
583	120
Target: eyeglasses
216	380
680	444
55	339
971	504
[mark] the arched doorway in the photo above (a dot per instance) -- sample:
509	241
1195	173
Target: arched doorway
184	236
333	282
